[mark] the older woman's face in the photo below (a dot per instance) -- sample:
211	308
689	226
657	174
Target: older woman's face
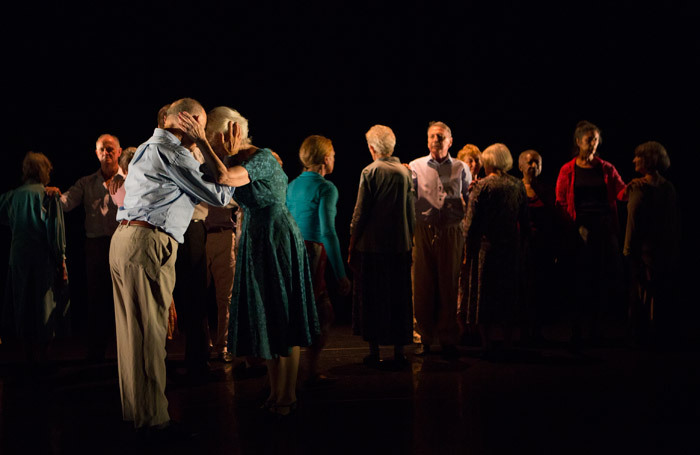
474	165
531	164
640	164
588	144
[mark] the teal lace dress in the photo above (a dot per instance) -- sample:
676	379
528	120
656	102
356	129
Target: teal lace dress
272	307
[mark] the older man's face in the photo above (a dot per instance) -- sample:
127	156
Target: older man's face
439	142
108	151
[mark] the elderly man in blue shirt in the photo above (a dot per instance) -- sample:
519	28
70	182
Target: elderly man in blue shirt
441	184
162	188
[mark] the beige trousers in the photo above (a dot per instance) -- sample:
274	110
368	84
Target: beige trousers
142	263
221	265
437	256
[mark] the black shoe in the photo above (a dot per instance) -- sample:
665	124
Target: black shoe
422	351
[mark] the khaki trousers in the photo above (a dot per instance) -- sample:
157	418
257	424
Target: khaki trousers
221	265
142	263
437	256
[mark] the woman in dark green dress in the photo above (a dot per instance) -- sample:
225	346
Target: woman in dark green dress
37	263
272	309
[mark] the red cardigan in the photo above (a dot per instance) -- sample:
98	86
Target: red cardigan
565	186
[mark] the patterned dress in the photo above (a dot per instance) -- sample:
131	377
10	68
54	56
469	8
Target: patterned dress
272	307
496	216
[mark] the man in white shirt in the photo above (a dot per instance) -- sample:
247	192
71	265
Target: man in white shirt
441	183
100	222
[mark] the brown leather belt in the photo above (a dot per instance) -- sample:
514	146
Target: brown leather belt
145	224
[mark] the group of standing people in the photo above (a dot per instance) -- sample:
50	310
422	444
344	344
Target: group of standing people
437	246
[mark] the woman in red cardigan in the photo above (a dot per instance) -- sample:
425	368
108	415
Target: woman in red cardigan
587	190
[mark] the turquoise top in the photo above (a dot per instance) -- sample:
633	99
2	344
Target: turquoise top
312	200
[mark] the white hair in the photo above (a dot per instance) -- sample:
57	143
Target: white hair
382	139
218	119
498	157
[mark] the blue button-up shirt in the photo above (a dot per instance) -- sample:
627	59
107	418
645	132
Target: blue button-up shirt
440	189
165	183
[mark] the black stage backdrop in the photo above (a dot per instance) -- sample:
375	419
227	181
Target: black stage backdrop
518	73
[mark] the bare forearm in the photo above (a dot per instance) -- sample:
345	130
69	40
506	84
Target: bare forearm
213	162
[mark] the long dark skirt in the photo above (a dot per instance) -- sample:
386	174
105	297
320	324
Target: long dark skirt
382	298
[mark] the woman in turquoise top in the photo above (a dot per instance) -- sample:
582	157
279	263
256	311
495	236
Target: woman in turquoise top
312	201
272	312
37	265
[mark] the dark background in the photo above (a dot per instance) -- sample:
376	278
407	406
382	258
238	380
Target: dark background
518	73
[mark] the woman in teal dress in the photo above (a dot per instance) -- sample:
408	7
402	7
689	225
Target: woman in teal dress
37	264
272	309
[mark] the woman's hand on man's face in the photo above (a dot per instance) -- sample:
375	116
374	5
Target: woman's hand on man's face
190	126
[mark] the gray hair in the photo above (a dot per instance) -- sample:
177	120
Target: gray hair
218	119
498	157
182	105
382	139
106	135
440	124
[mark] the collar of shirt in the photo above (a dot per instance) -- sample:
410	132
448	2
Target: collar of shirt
435	163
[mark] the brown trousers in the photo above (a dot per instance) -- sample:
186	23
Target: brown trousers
437	256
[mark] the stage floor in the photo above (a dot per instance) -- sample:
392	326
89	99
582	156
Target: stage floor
545	399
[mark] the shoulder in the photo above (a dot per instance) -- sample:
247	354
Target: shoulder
86	179
419	162
482	184
458	164
666	185
519	186
607	166
514	181
293	184
259	157
568	167
263	165
326	187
